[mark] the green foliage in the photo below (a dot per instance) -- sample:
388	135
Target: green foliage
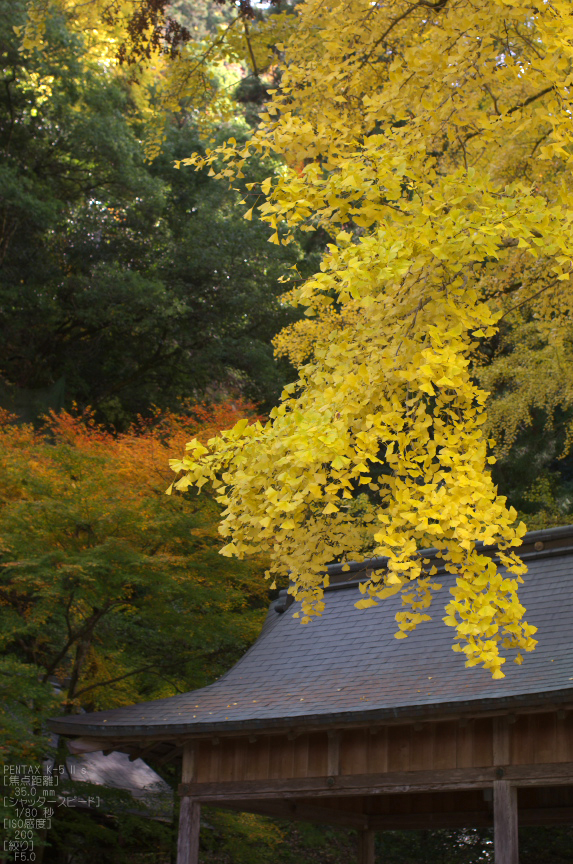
462	846
231	838
201	17
548	502
226	839
24	703
552	845
240	838
318	843
117	593
120	831
145	282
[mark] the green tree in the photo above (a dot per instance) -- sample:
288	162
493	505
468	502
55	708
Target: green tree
110	595
123	284
117	594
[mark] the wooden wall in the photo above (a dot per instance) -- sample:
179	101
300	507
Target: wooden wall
529	739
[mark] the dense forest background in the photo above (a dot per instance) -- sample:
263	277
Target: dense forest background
138	309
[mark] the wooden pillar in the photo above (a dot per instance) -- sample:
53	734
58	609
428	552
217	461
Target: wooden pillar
189	814
333	754
505	823
366	854
188	839
501	741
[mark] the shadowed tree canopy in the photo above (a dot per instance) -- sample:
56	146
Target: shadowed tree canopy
145	282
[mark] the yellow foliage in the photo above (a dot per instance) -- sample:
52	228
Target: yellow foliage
433	141
101	23
118	36
300	340
531	368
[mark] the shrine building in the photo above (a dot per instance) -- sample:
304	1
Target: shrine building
337	722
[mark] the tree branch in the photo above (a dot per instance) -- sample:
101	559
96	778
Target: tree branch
113	680
250	47
523	104
528	299
436	7
79	634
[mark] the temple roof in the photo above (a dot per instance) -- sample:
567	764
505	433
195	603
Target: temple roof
347	667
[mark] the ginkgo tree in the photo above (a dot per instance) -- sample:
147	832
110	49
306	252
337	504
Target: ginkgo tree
432	142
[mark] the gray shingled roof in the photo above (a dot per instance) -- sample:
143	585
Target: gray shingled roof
347	666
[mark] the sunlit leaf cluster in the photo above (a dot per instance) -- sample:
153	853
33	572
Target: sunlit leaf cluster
432	142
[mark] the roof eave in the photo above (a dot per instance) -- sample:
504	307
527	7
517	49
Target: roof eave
377	716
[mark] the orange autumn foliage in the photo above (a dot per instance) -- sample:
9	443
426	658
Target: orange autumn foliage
108	586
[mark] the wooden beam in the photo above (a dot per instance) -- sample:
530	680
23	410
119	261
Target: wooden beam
398	782
452	819
142	752
469	819
300	811
505	823
125	742
552	774
366	850
546	816
174	753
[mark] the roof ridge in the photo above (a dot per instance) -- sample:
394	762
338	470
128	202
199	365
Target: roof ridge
537	539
